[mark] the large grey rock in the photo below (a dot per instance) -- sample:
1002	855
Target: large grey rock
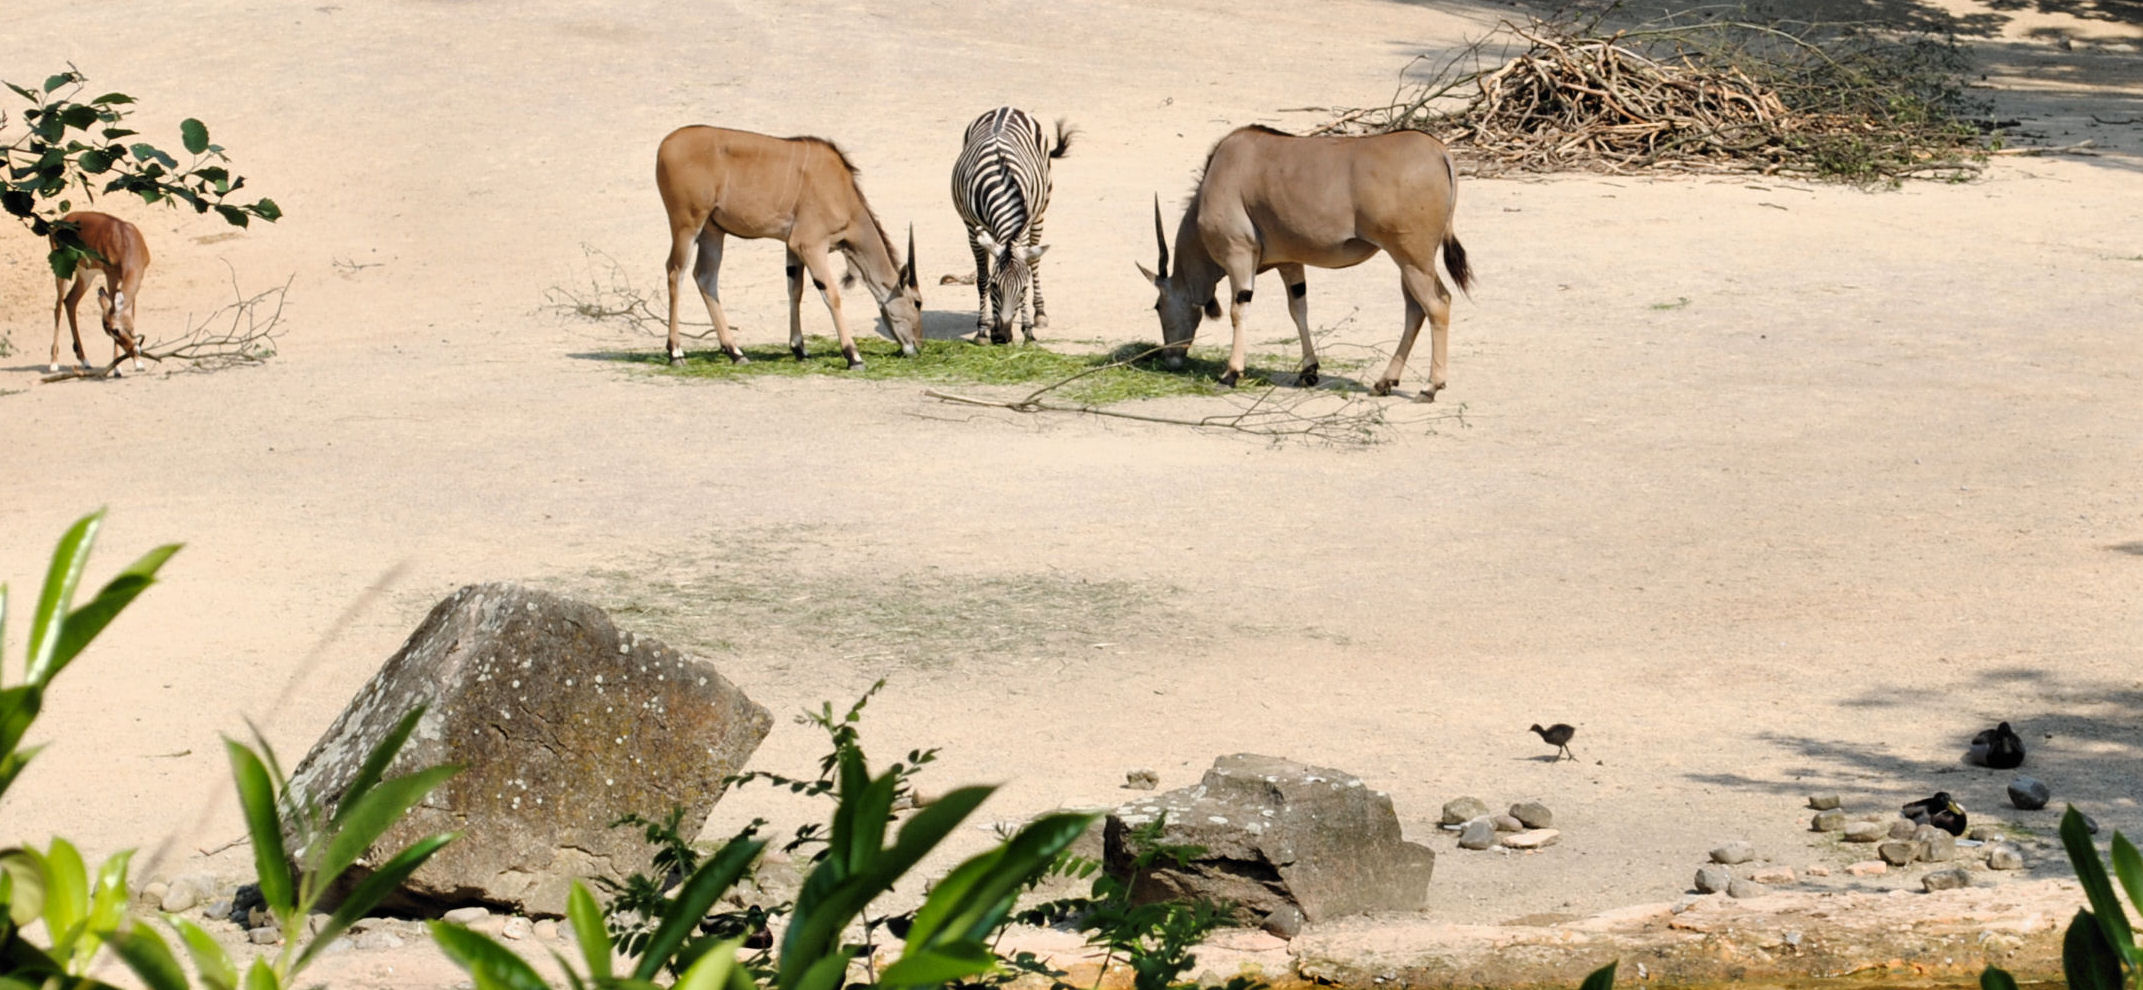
560	722
1824	802
1479	833
1945	880
1713	879
1277	832
1936	845
1829	820
2028	793
1533	814
2002	856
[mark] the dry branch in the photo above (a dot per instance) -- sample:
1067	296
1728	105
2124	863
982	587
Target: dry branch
1270	412
243	331
1720	96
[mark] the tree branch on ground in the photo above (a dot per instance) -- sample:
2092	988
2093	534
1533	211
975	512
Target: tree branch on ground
243	331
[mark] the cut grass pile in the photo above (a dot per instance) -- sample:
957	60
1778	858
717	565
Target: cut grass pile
957	362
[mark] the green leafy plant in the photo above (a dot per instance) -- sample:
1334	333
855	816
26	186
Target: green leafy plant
71	146
53	884
2099	950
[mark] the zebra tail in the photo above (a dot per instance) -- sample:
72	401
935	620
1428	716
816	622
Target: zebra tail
1064	136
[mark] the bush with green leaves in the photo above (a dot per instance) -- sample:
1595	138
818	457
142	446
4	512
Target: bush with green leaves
70	146
2099	951
81	916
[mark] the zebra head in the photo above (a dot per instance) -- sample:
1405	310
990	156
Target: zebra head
1010	279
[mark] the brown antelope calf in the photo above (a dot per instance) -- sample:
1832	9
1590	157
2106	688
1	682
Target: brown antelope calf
121	255
1273	200
717	182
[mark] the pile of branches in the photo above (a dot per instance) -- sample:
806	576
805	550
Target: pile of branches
1838	102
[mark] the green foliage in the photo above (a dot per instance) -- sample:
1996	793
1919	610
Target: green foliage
1118	375
1156	940
70	145
853	863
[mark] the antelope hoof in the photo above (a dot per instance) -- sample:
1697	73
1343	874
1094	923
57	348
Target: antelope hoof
736	356
855	361
855	365
1383	386
677	358
798	350
1230	377
910	350
54	367
1429	395
1174	362
1307	378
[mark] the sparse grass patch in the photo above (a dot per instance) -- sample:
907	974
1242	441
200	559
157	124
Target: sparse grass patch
754	601
1678	303
961	363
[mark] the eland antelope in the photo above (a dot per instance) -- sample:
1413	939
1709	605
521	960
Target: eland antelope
121	255
1273	200
1000	184
716	182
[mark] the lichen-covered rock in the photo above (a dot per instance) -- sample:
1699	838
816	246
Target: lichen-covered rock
560	723
1277	832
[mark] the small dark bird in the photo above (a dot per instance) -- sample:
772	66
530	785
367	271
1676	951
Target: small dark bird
1940	811
1999	747
1558	736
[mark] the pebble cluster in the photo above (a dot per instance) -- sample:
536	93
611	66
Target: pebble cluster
1899	842
1527	825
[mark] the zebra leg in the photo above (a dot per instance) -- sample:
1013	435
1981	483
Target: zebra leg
982	286
1040	312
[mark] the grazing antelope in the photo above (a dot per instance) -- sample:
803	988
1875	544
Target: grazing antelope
716	182
1274	200
121	256
1000	183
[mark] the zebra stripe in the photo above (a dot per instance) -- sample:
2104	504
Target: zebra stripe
1000	184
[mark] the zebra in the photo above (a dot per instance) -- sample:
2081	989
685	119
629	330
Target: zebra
1001	186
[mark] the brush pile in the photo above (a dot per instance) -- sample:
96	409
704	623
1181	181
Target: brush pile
1833	102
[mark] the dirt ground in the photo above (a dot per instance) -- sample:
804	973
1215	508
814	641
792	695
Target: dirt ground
1769	488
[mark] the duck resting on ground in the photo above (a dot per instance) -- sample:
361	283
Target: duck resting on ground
1940	811
1558	736
1999	747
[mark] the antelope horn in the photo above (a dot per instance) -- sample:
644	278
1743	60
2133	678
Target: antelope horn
1159	237
908	271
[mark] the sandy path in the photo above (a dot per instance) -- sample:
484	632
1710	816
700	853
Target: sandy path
1868	489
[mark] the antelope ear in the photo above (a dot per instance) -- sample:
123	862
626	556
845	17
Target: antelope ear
119	299
1157	280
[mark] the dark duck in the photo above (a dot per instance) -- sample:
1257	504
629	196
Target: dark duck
1999	747
1941	811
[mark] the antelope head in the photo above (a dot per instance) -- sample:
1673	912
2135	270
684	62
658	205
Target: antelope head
903	308
1178	305
1010	280
118	320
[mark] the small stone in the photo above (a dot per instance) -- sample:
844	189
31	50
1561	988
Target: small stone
341	943
1141	779
1459	811
1745	888
378	940
517	928
1818	871
2028	793
493	925
1285	921
1940	847
264	936
1869	868
218	910
1539	838
181	895
1774	875
1986	833
1733	852
465	915
2003	856
1505	823
259	918
1903	828
547	929
1479	833
154	892
1898	852
1713	879
1946	880
1865	832
1533	814
1824	802
1684	903
1827	821
2090	824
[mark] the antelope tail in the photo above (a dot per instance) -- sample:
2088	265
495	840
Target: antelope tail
1454	252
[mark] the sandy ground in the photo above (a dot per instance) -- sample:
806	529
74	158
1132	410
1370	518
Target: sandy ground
1769	488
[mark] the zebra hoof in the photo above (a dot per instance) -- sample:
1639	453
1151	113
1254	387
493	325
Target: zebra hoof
1230	377
1383	386
1307	378
798	350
